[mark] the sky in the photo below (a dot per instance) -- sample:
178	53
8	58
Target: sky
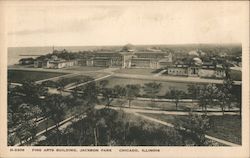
117	23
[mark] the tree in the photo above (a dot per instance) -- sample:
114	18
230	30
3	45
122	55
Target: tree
24	107
37	111
193	129
57	106
47	112
108	95
208	96
176	95
61	85
194	91
26	130
119	91
225	96
31	92
226	69
88	94
56	110
103	83
152	89
131	92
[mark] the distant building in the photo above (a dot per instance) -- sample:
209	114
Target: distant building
193	71
152	60
38	63
195	68
140	63
54	63
211	70
178	71
165	62
26	61
180	68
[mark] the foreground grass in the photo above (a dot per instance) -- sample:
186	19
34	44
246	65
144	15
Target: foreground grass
19	76
227	127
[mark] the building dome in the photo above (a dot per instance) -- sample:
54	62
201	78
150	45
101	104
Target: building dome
128	48
197	61
193	53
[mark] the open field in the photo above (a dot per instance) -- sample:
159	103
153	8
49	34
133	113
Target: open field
19	76
113	81
227	127
85	68
137	71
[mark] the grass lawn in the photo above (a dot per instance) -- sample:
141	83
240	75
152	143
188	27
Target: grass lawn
70	81
19	76
85	68
227	127
113	81
137	71
236	75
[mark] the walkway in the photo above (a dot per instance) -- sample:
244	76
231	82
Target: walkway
58	77
81	84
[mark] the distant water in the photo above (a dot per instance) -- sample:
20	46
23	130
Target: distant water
15	52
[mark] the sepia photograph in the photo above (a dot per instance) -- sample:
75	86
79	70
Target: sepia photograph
126	74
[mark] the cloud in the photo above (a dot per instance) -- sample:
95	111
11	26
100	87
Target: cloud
160	22
71	21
